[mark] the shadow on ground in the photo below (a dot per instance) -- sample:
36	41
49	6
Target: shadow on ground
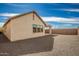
27	46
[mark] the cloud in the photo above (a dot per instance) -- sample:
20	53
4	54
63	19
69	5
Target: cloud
8	14
62	20
64	26
1	24
71	10
67	25
22	5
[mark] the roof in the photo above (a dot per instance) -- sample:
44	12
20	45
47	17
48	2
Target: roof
23	15
48	26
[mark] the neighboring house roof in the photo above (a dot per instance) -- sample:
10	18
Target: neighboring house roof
23	15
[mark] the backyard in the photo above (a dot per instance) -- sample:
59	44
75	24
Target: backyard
64	45
49	45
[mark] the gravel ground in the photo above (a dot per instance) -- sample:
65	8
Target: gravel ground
26	46
55	45
64	45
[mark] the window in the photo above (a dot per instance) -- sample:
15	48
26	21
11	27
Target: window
47	31
41	29
34	29
37	28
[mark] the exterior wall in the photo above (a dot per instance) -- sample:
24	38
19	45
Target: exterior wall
7	30
48	30
21	27
78	31
38	22
65	31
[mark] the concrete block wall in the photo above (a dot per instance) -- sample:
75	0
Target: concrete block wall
64	31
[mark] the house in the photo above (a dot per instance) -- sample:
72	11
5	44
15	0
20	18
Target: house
48	29
78	31
27	25
1	30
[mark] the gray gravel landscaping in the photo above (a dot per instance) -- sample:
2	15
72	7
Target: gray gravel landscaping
64	45
26	46
49	45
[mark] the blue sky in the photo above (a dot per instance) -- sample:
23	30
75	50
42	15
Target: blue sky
59	15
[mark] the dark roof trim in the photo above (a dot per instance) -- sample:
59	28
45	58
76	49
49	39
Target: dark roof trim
23	15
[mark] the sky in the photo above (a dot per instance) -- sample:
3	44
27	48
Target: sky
58	15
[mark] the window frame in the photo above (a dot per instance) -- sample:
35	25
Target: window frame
39	28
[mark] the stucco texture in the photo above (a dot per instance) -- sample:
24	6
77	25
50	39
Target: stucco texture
21	28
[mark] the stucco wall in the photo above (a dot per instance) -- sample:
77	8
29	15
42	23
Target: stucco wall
38	22
78	31
21	28
7	30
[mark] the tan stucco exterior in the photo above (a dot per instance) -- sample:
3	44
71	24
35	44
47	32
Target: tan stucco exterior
7	30
48	30
78	31
21	28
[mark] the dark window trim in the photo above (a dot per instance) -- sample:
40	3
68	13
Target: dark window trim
39	28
